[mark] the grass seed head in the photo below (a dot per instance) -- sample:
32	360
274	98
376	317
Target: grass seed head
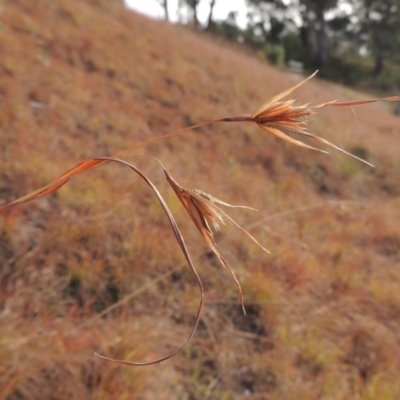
204	212
286	118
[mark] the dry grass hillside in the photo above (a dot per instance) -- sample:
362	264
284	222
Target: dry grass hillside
94	267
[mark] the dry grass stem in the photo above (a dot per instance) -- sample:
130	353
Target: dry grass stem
185	252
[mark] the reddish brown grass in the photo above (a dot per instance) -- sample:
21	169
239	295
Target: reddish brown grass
321	309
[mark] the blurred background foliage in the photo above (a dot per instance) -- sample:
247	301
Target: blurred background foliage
355	42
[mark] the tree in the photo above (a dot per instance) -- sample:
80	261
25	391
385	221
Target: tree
268	19
164	4
229	28
313	13
380	29
192	5
210	22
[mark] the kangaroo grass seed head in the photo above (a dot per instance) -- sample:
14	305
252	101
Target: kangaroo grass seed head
286	118
204	212
283	117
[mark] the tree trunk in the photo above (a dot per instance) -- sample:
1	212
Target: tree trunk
322	50
165	5
312	36
210	22
378	63
195	18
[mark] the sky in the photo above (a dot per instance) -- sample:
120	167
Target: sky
221	10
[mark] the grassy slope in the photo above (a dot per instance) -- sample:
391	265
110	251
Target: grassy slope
323	307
